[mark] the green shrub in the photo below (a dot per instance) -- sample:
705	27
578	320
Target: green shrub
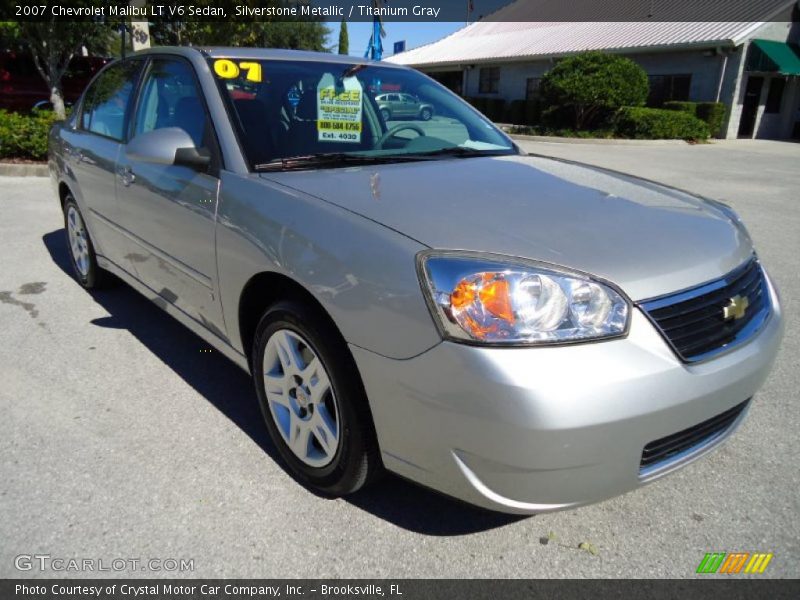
523	112
659	124
570	133
25	135
713	113
591	85
687	107
516	112
495	108
533	112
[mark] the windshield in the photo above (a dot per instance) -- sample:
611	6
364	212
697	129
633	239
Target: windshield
312	110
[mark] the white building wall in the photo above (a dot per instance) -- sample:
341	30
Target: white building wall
513	78
713	78
769	125
703	65
732	89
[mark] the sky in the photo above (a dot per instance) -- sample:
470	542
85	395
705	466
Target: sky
415	34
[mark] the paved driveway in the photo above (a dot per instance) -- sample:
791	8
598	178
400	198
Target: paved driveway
121	438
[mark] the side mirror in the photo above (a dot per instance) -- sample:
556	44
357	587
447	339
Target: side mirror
168	146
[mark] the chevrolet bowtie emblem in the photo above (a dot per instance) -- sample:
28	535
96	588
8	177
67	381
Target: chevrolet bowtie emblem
735	308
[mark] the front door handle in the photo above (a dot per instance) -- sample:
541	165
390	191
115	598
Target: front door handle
74	153
126	176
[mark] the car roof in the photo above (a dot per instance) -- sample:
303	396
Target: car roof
266	54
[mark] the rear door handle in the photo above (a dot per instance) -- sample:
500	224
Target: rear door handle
126	176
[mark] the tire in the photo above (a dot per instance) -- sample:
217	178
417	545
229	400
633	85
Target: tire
425	114
326	438
386	114
82	256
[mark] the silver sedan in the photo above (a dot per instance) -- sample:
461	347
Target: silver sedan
521	333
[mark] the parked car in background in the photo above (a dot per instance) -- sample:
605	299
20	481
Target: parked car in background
522	333
22	87
399	105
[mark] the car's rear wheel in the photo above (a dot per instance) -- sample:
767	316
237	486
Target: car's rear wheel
81	250
386	114
425	114
313	401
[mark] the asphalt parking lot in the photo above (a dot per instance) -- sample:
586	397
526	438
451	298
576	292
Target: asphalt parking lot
121	438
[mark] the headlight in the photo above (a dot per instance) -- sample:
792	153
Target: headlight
492	300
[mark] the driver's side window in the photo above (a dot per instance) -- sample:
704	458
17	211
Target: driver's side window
170	98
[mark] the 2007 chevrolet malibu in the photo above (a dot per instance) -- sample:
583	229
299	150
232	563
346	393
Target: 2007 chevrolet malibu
416	295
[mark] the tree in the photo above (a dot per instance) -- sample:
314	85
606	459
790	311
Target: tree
295	35
53	42
590	84
344	39
9	35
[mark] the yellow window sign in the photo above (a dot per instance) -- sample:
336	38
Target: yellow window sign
339	110
227	69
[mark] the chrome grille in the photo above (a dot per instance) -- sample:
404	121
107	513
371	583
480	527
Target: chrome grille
694	321
673	448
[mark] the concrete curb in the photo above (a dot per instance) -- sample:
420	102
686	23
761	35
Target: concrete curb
23	170
595	141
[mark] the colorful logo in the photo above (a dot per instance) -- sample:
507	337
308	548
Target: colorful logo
734	562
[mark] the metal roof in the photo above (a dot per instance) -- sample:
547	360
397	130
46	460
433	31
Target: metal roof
499	38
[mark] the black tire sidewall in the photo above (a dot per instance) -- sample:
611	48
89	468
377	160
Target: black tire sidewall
92	278
426	114
350	466
386	114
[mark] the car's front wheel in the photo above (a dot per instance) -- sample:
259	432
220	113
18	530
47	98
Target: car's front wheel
425	114
313	401
81	250
386	114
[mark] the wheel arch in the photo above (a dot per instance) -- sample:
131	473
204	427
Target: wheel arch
63	191
263	290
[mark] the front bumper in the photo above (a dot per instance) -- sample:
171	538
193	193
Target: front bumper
539	429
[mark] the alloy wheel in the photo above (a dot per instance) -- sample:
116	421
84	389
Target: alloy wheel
78	242
301	400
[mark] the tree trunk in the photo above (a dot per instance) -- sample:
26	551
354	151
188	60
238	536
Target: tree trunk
579	116
52	77
57	100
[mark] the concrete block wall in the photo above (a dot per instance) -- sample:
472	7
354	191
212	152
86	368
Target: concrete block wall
704	66
770	126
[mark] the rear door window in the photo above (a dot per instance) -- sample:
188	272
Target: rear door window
108	100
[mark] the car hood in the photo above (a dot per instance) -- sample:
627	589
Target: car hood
647	238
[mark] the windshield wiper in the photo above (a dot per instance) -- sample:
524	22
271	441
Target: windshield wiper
330	159
460	152
323	159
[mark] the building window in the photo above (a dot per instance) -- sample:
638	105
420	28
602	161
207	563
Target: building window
665	88
532	88
775	95
489	82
